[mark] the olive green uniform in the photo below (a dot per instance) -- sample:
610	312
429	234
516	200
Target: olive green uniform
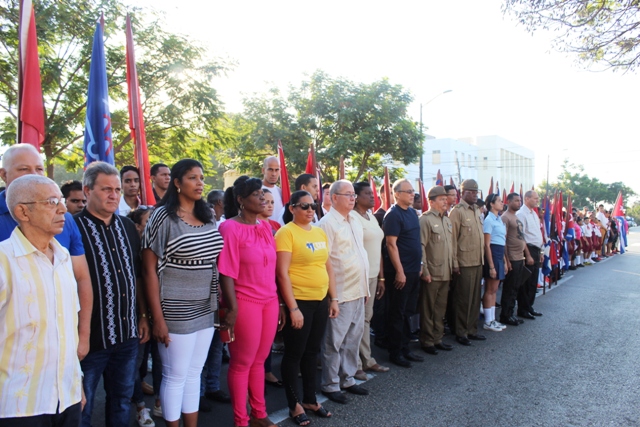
437	261
468	256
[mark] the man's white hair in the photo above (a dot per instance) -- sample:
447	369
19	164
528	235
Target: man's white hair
337	186
25	189
7	157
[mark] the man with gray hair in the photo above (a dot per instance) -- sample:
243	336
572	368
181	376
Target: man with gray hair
24	159
113	248
215	199
271	175
350	264
41	381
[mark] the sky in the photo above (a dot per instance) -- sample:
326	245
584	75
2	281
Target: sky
503	80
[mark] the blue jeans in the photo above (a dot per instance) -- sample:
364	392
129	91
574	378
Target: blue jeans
150	347
210	380
116	365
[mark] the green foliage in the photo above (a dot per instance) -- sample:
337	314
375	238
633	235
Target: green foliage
598	31
181	107
365	123
584	190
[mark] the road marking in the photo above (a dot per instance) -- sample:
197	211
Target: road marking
627	272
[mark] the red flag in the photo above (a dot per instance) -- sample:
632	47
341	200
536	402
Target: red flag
490	187
136	123
386	187
617	208
311	161
521	194
284	176
31	103
558	212
569	212
513	188
439	179
423	197
341	167
377	202
504	196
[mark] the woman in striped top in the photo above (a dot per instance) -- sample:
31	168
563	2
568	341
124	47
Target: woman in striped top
180	246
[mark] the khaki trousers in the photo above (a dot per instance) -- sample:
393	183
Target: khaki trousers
467	300
366	360
433	305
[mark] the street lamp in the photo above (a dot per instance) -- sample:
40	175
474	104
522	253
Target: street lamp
422	154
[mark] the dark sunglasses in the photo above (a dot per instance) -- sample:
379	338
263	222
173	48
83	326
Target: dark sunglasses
306	206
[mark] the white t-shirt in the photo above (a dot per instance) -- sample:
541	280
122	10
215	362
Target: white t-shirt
603	219
123	207
277	202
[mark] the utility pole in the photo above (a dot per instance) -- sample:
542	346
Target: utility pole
421	176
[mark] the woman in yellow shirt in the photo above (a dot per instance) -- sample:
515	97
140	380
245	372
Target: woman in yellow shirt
308	293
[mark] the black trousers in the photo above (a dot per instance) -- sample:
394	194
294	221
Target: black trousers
301	348
527	292
510	288
70	417
402	304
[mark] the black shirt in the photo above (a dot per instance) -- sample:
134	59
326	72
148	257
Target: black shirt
113	255
404	224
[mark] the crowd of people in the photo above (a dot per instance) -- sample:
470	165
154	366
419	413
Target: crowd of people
93	283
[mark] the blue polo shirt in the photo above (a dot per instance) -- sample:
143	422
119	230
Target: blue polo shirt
69	238
494	226
405	225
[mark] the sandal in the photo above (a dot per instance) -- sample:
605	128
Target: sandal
321	412
301	419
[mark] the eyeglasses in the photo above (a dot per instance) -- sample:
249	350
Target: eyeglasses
349	195
406	191
51	201
306	206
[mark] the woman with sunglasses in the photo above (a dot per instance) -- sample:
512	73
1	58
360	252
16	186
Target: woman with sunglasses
248	277
306	284
496	264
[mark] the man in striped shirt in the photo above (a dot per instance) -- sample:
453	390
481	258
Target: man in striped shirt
40	377
112	246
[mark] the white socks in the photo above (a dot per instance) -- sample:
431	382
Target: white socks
489	315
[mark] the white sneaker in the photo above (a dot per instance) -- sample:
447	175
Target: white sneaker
157	411
144	419
492	327
500	325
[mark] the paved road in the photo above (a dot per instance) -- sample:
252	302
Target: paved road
575	366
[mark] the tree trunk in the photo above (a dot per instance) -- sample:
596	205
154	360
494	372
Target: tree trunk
48	157
363	166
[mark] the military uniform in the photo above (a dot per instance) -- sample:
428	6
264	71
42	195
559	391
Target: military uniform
437	262
468	255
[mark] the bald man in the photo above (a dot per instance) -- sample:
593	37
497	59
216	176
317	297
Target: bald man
41	381
24	159
270	177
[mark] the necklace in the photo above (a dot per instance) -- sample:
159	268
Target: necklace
364	215
244	221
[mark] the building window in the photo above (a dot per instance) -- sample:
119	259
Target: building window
435	158
485	163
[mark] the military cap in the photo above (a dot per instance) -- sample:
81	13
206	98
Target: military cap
469	185
436	191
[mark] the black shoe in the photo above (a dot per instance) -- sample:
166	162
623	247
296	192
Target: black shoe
526	316
356	389
414	338
463	340
400	361
476	337
335	396
430	350
204	405
535	313
520	321
218	396
498	305
573	267
413	357
511	321
443	346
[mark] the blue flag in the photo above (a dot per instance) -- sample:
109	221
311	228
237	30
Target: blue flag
97	133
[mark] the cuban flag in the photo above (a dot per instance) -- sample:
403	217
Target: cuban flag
97	134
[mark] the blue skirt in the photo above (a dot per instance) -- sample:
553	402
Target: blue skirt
497	254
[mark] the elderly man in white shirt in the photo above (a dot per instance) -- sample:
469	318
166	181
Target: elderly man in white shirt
350	265
41	383
533	237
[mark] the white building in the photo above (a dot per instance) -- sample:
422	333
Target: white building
478	158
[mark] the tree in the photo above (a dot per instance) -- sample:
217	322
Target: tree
180	105
584	190
598	31
365	123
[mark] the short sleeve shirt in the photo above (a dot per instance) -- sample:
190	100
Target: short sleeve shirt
494	226
515	236
405	225
309	255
